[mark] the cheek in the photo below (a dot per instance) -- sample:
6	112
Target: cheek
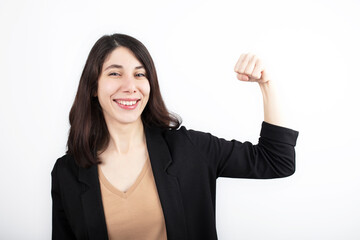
145	89
106	89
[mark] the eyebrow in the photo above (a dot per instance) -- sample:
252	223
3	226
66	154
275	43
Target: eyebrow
120	66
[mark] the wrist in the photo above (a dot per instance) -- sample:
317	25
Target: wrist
267	89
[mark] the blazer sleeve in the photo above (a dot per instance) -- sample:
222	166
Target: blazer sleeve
60	225
272	157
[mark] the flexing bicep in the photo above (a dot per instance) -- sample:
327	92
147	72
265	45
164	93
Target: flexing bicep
273	156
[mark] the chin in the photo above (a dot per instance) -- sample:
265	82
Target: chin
129	120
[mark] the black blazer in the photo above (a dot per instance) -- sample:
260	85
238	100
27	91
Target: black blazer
185	164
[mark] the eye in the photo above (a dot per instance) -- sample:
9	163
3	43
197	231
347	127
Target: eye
140	75
114	74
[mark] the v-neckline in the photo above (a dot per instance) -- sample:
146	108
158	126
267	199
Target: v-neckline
128	192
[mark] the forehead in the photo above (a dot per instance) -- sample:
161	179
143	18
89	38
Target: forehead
121	56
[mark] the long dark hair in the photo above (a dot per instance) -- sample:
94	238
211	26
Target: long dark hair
88	131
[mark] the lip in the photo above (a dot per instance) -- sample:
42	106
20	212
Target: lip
127	107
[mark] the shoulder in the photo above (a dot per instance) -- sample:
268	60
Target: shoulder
184	136
65	165
175	133
180	133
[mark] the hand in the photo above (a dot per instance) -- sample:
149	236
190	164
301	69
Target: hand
249	68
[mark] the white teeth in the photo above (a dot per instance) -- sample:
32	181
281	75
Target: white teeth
126	103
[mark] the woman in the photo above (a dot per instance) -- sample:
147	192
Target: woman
130	172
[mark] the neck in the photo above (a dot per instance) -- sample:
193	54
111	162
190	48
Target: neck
124	137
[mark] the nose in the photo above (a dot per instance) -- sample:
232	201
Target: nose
128	84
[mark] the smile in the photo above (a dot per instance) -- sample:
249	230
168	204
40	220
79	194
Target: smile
127	104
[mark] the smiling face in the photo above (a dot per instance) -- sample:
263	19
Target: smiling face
123	89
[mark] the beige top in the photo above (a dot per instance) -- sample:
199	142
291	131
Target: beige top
135	214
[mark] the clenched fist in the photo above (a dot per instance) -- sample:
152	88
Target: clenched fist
250	68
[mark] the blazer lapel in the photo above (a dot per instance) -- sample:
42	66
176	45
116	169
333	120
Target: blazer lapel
167	185
92	203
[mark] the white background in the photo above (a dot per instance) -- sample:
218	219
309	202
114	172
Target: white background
311	48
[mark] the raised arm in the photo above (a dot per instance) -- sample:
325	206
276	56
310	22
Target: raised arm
249	68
